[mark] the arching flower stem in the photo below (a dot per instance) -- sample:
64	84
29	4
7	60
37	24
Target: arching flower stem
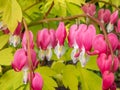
29	53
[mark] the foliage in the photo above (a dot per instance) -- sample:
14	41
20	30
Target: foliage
60	73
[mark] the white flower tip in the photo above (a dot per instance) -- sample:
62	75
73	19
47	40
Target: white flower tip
110	27
25	76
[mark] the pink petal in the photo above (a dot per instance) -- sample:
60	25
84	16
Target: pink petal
104	62
72	35
108	80
61	33
37	82
88	37
113	40
113	86
89	9
115	64
99	44
18	28
80	33
118	27
43	39
24	41
104	15
34	59
20	60
114	17
53	38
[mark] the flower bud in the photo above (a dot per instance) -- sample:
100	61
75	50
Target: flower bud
104	15
89	9
37	82
108	80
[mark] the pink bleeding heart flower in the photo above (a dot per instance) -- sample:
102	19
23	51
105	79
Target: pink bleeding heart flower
60	36
20	62
99	45
104	15
113	19
115	64
113	86
72	35
89	9
104	63
43	39
108	80
15	37
53	40
6	31
117	28
72	42
46	40
37	82
24	41
84	39
18	29
113	41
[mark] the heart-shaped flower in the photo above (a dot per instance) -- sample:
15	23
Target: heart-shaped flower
24	41
108	80
104	15
60	36
89	9
37	82
105	63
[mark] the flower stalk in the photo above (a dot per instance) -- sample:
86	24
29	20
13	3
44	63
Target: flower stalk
29	53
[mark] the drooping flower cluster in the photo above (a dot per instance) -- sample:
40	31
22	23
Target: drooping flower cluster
107	63
51	39
21	62
81	37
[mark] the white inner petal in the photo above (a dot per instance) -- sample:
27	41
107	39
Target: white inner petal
25	75
110	27
59	50
82	57
14	40
41	54
49	53
74	51
1	25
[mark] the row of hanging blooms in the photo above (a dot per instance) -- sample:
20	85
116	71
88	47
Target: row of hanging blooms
82	38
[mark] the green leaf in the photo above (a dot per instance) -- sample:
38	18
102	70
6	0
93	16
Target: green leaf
11	80
3	40
116	3
0	69
101	4
6	56
69	77
77	2
73	9
46	71
58	66
86	77
67	55
91	64
12	14
26	3
59	8
49	83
